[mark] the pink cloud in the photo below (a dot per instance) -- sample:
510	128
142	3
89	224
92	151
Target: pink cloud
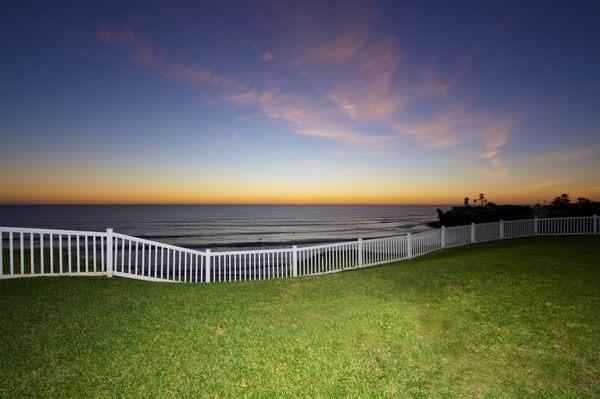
267	56
451	128
360	80
333	34
195	75
308	119
431	85
341	52
363	69
339	49
370	93
345	105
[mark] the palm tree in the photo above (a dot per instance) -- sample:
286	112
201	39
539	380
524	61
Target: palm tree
482	199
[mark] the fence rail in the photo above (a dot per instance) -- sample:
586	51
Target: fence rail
30	252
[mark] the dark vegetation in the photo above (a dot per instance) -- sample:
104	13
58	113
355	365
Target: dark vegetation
481	210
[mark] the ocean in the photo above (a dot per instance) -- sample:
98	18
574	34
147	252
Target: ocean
229	226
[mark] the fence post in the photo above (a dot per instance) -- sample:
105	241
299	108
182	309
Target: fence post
443	236
295	261
109	252
409	245
595	224
207	270
535	226
472	233
501	229
360	252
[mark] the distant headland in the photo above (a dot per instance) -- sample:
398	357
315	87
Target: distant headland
482	210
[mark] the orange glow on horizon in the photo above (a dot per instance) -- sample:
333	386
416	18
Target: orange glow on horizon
255	196
94	185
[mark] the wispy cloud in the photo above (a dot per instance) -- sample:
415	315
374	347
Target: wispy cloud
345	105
341	52
307	118
575	154
371	83
195	75
349	136
462	126
359	80
561	183
142	51
145	54
267	56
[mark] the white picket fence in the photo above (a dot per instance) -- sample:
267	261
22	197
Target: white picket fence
44	252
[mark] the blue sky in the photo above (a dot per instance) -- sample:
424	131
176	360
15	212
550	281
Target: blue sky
277	102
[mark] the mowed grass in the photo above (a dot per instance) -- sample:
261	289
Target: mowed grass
517	318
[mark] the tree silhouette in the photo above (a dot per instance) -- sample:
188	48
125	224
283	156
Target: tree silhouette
482	199
563	199
440	215
583	201
466	201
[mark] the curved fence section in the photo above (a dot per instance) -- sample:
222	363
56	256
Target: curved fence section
457	236
250	265
330	258
43	252
150	260
425	242
383	250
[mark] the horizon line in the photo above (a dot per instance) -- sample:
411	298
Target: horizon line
230	204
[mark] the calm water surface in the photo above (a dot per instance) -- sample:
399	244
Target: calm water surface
228	226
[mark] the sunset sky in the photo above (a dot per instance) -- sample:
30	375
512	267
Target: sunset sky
299	102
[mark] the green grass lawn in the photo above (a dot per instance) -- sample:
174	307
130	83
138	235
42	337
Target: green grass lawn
518	318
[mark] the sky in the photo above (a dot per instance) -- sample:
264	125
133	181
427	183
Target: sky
358	102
